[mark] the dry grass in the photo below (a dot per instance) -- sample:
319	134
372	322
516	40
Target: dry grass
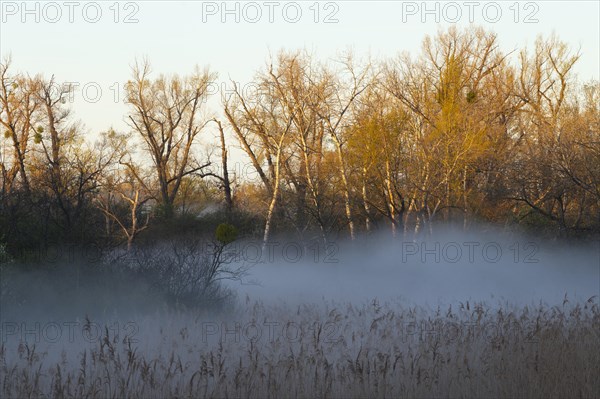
343	351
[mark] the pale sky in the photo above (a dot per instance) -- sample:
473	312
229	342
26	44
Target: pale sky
90	43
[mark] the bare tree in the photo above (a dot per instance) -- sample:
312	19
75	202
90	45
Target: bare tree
547	134
262	130
225	174
340	93
123	191
65	165
18	105
458	110
167	116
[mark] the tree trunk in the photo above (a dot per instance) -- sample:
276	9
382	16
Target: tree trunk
273	203
465	219
347	204
365	199
390	197
226	183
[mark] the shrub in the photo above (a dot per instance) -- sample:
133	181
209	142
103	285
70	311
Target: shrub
188	272
226	233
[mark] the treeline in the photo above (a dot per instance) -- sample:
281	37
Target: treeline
461	132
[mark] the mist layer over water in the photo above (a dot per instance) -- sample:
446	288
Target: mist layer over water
319	321
450	266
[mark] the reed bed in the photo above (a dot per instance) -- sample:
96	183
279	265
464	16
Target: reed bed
325	350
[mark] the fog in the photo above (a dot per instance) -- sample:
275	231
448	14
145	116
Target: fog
304	307
450	266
